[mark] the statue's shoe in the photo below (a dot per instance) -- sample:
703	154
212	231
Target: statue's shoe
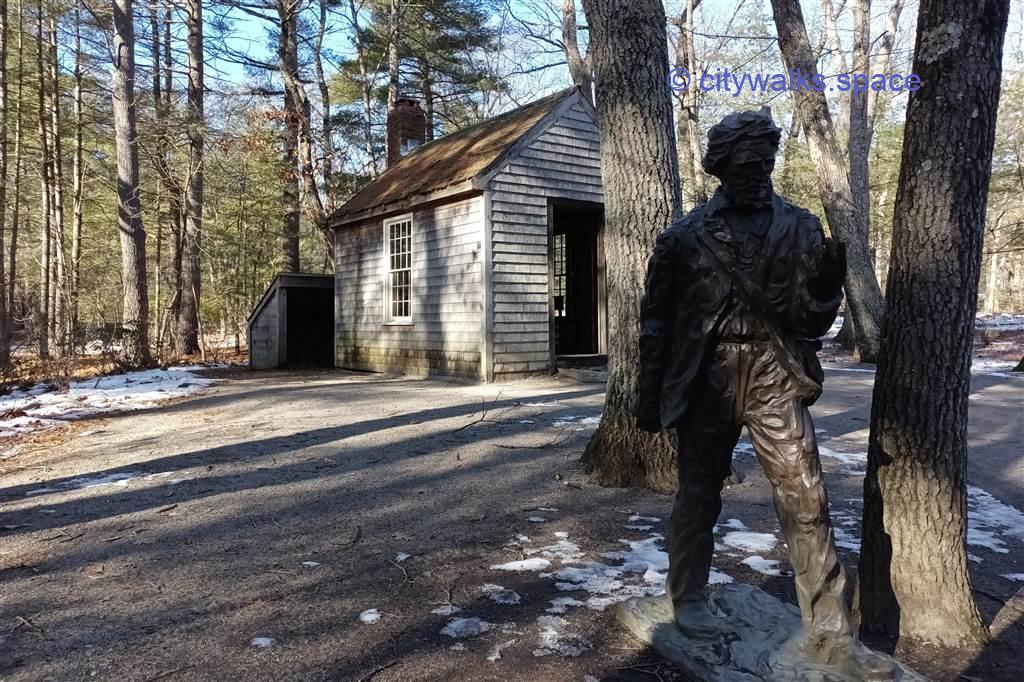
695	618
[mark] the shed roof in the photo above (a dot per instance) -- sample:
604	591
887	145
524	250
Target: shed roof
450	162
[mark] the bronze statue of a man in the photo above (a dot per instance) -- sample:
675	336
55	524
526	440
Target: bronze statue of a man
737	294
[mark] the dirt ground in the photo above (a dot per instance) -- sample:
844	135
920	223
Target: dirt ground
259	531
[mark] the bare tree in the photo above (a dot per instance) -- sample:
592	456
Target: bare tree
863	295
365	85
187	336
914	579
135	303
687	131
12	270
4	324
43	310
58	288
640	177
77	175
579	64
288	62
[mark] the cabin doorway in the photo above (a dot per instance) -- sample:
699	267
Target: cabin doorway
577	282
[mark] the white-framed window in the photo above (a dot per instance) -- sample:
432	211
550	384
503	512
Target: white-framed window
398	269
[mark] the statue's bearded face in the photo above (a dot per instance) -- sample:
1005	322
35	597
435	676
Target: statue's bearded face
747	178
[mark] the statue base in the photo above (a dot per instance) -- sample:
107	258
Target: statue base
752	646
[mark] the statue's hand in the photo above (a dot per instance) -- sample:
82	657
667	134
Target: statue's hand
827	275
835	255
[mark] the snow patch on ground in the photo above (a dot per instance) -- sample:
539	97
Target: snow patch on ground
555	638
762	565
461	628
562	549
446	610
401	556
536	519
1018	577
854	461
534	564
636	517
560	604
261	642
499	594
578	423
749	541
42	406
120	479
497	649
369	616
988	518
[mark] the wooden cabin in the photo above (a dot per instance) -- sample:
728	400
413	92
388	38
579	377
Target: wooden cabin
478	254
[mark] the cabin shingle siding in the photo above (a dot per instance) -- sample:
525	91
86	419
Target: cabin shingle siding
445	336
562	163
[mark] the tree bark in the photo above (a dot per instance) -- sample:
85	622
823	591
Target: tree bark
858	145
4	324
77	175
188	313
579	65
366	90
640	175
326	122
885	45
835	46
394	19
288	59
135	304
428	100
42	321
12	271
59	316
687	131
914	578
863	296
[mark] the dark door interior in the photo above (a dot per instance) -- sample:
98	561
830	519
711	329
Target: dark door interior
310	327
575	260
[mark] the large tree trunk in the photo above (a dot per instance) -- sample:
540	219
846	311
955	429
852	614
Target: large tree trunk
43	311
913	570
12	271
187	336
288	59
881	65
77	175
135	304
863	296
59	317
365	89
858	144
687	133
4	324
326	122
640	176
394	19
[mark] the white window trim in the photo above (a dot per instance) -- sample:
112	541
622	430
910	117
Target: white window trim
389	319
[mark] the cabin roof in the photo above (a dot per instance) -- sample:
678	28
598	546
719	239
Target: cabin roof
450	164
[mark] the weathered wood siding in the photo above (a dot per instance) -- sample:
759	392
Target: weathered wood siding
447	300
264	335
562	163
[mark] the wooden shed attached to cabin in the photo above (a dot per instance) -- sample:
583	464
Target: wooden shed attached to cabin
478	254
293	323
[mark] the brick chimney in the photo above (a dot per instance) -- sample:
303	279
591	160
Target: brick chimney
407	128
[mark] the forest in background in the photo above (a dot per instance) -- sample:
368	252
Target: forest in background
150	194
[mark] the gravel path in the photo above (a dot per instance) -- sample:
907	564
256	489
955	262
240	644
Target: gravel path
333	525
